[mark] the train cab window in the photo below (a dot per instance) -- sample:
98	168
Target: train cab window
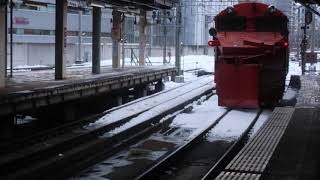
231	23
271	24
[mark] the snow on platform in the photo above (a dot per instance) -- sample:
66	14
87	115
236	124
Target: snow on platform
34	89
31	80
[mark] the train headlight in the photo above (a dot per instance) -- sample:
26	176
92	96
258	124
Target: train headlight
214	43
213	32
230	10
271	9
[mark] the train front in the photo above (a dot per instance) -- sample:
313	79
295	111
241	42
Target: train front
251	63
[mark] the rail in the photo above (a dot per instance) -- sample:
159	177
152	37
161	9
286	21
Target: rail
231	152
81	144
173	157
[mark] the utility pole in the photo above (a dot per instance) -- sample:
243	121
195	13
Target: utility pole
151	41
298	33
2	43
60	39
142	34
206	23
123	34
116	37
313	28
11	38
6	40
80	38
178	39
304	43
165	37
96	40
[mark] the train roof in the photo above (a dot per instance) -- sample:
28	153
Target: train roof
252	10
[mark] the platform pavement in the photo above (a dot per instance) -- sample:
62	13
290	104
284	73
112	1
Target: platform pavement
29	80
289	155
31	90
309	94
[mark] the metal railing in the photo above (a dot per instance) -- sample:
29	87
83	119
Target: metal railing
135	59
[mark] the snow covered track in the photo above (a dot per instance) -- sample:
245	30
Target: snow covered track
110	132
108	119
172	160
231	152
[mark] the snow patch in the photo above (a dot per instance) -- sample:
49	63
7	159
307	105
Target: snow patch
149	103
232	125
161	108
201	117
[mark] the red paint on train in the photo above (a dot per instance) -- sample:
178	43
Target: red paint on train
251	41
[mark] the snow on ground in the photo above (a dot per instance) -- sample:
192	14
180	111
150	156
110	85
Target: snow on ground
108	166
198	61
201	116
158	110
290	94
190	62
232	125
187	62
294	69
171	85
152	102
28	66
101	169
204	62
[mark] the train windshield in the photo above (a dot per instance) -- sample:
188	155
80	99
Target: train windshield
271	24
231	23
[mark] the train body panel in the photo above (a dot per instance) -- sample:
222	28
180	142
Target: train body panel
235	78
252	55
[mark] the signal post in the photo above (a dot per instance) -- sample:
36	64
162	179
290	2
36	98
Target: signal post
304	42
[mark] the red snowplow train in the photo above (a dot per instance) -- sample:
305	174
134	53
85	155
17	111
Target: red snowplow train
251	55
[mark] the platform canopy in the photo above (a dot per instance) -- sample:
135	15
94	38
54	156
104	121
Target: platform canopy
146	4
124	4
308	1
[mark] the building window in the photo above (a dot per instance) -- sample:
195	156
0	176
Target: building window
19	31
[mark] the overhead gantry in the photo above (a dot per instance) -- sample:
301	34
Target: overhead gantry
119	7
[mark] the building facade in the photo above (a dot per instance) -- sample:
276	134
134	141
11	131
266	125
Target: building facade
34	30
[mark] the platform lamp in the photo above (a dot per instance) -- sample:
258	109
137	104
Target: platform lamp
96	3
35	3
3	2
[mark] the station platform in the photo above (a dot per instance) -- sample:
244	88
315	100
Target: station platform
286	147
33	89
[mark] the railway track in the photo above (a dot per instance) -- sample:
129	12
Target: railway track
176	164
86	145
42	136
230	153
